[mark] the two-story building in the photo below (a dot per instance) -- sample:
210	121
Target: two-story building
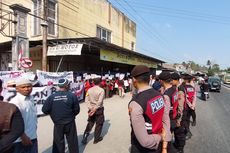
107	37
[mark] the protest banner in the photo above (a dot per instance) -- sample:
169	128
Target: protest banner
40	94
10	75
5	76
45	77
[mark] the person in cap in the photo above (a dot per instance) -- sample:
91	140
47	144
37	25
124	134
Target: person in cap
180	130
10	91
170	94
191	103
157	84
24	101
94	100
149	115
62	107
11	126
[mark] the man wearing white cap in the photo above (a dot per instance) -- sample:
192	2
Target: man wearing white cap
27	143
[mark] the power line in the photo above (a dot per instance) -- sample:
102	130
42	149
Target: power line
144	29
153	36
180	10
188	18
69	27
198	16
62	26
157	34
67	6
146	23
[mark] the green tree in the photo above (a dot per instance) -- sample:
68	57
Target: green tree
228	69
210	72
216	68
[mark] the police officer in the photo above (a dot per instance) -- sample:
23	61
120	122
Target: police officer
149	116
170	94
180	131
191	103
62	107
94	99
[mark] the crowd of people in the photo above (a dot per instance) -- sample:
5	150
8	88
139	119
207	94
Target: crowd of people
160	112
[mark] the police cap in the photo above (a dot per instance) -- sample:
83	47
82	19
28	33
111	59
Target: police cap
187	77
63	82
175	76
165	75
139	70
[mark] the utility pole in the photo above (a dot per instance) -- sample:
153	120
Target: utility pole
44	36
20	42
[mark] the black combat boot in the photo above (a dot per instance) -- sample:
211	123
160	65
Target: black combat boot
194	123
98	140
84	139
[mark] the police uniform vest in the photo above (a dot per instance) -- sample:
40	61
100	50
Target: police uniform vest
190	92
182	88
173	95
152	103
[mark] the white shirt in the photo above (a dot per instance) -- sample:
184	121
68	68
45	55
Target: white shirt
27	107
126	83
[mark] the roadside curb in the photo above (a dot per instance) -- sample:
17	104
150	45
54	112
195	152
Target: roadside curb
228	86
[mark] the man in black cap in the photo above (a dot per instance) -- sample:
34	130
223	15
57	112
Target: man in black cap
171	94
62	107
191	103
149	116
180	132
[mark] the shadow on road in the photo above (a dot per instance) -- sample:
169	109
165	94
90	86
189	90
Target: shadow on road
105	130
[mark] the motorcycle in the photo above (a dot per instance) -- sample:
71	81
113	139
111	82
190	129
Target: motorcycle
204	92
205	95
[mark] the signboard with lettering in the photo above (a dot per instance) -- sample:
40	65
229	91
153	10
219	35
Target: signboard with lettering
65	49
45	77
118	57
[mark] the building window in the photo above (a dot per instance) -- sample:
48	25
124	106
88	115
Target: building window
104	34
51	17
36	21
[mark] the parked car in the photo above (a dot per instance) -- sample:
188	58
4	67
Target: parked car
214	83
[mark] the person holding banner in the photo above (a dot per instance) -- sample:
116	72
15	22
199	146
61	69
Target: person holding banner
63	106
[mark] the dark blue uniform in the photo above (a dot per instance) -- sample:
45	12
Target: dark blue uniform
62	107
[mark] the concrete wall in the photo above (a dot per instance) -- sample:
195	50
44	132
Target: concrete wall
82	17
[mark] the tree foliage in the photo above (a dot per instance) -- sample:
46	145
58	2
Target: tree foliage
211	68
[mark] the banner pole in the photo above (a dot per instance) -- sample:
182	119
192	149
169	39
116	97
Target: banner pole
59	64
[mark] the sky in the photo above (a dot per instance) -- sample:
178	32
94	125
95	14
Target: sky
181	30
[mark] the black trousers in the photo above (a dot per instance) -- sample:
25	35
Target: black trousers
180	140
192	113
70	131
97	118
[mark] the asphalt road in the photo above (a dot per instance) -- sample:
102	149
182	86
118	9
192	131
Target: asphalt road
210	135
